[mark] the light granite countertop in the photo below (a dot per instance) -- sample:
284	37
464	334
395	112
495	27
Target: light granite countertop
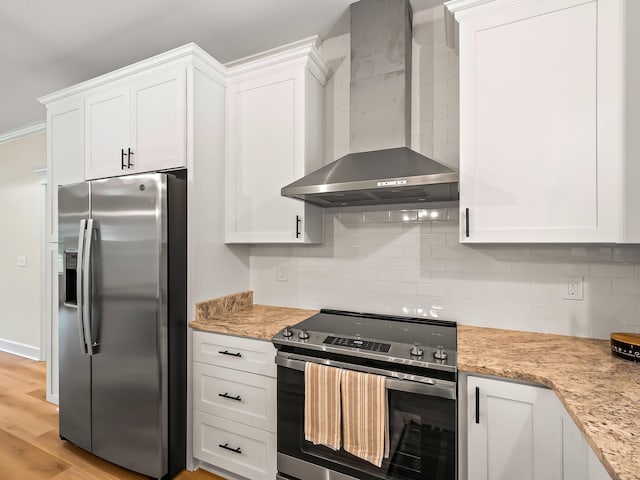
238	315
600	392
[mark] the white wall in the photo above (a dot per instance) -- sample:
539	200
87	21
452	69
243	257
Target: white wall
388	261
20	232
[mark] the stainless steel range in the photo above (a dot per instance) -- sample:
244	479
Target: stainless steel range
417	357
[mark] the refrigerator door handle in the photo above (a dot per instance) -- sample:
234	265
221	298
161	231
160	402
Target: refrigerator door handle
86	287
79	286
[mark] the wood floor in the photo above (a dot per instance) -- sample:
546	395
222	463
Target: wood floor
30	448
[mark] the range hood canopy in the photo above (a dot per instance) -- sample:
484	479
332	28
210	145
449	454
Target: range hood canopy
382	168
396	175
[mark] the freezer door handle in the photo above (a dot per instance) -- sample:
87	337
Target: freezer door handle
79	286
86	288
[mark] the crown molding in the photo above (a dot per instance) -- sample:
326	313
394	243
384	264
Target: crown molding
190	50
22	132
456	10
305	49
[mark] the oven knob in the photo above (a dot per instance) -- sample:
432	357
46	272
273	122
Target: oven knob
303	335
440	354
287	332
416	351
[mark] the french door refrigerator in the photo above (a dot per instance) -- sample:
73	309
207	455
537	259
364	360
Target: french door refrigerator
122	320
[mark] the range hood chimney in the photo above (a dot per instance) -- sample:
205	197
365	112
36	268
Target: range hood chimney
382	168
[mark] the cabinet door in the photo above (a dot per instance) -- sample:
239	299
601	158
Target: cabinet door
513	432
65	156
530	169
265	151
239	396
579	462
240	449
106	132
237	353
52	269
158	117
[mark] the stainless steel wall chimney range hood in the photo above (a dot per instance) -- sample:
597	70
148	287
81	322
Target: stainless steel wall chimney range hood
382	168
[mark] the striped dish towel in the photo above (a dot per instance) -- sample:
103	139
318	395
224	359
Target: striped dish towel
322	405
365	417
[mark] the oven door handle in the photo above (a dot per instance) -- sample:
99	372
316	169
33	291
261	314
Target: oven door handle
394	380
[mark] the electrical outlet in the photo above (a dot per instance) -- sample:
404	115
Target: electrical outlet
282	273
572	288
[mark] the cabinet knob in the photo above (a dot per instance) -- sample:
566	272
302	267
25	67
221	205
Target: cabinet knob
122	165
129	153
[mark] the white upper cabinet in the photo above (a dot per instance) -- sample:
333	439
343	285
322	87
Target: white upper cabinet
275	105
137	125
65	160
107	132
544	150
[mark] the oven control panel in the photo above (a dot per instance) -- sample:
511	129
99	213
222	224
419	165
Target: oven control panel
357	343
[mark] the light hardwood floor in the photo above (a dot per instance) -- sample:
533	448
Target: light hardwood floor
30	448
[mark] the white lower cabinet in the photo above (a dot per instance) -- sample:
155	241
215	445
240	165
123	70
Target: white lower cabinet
237	353
234	392
517	431
240	449
511	432
579	462
240	396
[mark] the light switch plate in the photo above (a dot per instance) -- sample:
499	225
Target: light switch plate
22	261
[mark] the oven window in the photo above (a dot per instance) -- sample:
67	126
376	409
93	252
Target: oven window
422	435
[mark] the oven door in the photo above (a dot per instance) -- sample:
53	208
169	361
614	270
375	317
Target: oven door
422	429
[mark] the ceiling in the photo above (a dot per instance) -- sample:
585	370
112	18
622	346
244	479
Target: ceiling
49	45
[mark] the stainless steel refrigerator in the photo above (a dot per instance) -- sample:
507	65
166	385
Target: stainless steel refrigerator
122	320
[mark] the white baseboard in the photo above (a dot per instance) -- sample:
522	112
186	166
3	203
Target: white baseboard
20	349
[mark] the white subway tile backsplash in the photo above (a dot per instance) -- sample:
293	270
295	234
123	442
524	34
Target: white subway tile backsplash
595	285
377	217
432	264
405	216
433	239
609	270
415	276
410	263
626	285
378	266
351	218
447	252
429	215
431	289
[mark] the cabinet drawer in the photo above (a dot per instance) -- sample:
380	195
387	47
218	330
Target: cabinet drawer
253	356
243	397
242	450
